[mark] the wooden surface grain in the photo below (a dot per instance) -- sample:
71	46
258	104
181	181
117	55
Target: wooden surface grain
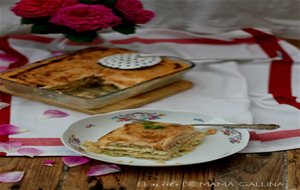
263	171
294	169
278	170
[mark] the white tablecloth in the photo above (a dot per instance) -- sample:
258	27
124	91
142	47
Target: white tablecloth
238	92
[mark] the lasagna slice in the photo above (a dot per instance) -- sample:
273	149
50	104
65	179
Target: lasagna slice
149	140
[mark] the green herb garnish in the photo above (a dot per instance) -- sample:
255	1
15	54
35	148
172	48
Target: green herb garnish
154	127
148	122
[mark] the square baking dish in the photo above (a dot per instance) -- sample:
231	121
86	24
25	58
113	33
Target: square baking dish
93	86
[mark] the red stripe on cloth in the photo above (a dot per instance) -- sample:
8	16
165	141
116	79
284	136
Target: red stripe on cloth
4	117
5	112
21	59
270	136
38	141
183	41
41	39
4	138
2	154
277	135
280	81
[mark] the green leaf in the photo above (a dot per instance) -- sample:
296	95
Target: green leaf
93	2
43	20
27	21
87	1
109	3
41	29
82	36
125	28
47	28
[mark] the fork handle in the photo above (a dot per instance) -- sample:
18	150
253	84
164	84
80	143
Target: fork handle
241	126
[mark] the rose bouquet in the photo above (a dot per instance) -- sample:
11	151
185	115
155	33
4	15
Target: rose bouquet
80	20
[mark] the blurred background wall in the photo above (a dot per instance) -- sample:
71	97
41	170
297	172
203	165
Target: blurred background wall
201	16
215	16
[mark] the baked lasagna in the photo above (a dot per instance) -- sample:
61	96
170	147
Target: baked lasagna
79	74
149	140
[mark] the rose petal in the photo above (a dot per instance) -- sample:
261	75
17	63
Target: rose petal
2	68
103	170
48	162
3	104
11	177
54	114
31	152
72	161
7	129
9	146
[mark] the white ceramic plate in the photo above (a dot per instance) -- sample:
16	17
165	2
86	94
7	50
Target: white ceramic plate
224	143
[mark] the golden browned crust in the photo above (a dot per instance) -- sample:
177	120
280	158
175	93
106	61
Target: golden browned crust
162	137
62	70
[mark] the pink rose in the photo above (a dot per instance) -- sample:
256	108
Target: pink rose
83	17
133	11
40	8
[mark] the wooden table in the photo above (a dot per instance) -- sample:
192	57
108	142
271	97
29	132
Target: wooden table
272	171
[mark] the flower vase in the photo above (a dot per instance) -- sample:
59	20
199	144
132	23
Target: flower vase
63	44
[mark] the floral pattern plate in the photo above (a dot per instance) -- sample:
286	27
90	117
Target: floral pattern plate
224	143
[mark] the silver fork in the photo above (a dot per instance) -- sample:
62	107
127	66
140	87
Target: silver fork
241	126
